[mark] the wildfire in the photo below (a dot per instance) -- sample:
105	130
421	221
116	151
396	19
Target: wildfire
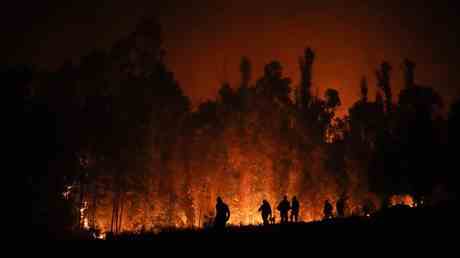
403	199
243	177
100	236
83	215
243	210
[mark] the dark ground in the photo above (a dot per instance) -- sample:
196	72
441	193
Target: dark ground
392	226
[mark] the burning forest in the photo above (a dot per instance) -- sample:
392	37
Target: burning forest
132	154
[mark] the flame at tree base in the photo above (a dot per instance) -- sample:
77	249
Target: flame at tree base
402	199
264	153
243	183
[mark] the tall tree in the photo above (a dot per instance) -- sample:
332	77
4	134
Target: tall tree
273	84
383	82
306	65
246	71
364	89
409	78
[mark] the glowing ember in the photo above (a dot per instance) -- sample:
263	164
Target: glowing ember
101	236
403	199
84	216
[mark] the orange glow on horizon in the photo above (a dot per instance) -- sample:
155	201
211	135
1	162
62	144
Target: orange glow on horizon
347	48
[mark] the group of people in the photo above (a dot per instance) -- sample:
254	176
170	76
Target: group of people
223	212
340	208
283	207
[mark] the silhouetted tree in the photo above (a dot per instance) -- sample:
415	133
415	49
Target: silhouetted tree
417	132
246	71
306	65
273	85
383	78
454	142
364	89
409	68
332	99
227	95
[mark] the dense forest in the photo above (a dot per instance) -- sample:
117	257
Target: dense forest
112	142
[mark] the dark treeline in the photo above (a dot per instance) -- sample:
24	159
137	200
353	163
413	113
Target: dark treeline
118	118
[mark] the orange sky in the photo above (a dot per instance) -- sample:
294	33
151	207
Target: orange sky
202	37
349	43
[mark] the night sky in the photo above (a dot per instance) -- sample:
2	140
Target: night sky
205	39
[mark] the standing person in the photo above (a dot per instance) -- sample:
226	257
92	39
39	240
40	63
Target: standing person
295	208
283	208
266	211
341	205
222	214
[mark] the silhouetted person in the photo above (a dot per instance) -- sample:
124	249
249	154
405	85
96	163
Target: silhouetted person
266	211
295	207
283	208
327	210
341	205
222	214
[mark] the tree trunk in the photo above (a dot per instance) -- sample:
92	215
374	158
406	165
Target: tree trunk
113	225
82	199
94	206
121	213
